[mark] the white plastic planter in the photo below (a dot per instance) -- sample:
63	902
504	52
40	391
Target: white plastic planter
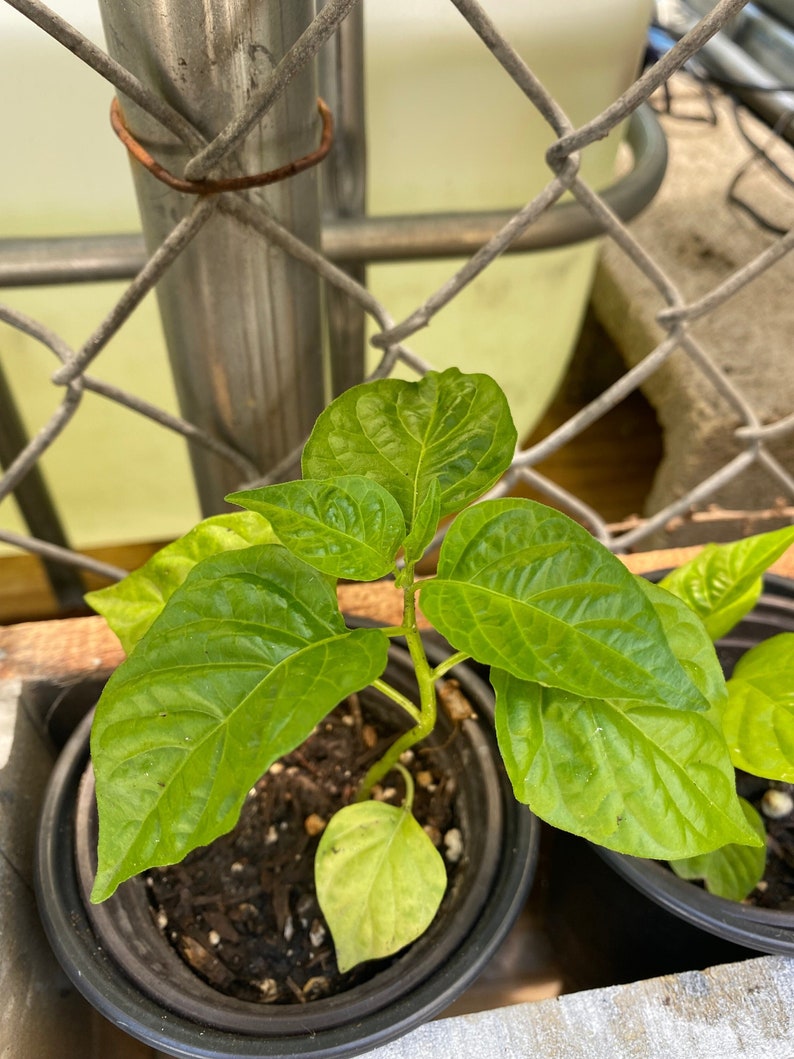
448	130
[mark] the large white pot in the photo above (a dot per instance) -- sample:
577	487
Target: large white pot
448	130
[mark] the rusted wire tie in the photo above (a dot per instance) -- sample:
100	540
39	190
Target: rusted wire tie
215	187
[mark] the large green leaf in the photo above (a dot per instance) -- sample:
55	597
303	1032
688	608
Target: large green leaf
379	880
452	427
759	717
351	527
632	776
723	582
732	871
131	606
690	642
524	588
249	654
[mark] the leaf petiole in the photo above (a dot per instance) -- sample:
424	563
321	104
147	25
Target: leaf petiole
393	630
408	801
399	698
449	663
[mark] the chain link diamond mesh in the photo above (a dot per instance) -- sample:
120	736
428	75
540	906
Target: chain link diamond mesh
752	437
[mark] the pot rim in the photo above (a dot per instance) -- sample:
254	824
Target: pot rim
766	929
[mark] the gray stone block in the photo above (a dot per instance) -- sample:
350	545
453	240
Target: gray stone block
699	240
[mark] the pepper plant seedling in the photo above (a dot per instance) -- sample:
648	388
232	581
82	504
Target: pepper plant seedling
609	696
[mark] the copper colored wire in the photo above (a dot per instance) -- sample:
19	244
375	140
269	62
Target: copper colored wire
215	187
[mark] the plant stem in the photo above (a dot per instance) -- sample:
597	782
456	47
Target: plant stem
393	630
408	780
426	715
400	699
449	663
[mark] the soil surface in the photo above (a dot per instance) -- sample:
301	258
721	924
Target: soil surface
242	912
776	889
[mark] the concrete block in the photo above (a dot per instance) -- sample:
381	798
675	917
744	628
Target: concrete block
736	1011
699	240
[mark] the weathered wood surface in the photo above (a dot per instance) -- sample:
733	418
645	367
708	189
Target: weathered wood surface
73	648
736	1011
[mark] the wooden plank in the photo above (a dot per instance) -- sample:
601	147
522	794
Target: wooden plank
25	593
77	648
74	648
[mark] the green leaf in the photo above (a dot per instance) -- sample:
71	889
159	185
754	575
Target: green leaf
759	717
632	776
452	427
723	582
379	880
732	871
425	524
351	527
249	654
689	641
524	588
131	606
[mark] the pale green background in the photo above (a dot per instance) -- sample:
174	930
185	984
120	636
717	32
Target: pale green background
447	130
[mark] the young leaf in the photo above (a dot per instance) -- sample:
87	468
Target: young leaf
690	642
759	717
523	588
631	776
425	524
723	582
379	880
131	606
351	527
732	871
247	656
453	427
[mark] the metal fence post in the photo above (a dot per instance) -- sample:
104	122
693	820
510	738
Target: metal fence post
241	319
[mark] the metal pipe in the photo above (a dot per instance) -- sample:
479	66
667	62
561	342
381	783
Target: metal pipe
241	319
359	240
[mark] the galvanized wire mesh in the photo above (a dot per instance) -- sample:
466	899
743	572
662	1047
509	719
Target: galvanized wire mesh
753	438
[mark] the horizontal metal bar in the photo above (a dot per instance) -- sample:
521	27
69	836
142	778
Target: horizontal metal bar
70	259
364	240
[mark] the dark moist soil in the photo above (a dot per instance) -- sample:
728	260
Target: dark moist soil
776	889
242	912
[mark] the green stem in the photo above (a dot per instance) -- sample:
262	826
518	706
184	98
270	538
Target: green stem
394	630
399	698
449	663
408	780
426	715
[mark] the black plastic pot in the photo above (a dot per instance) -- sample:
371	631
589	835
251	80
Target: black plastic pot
119	960
759	929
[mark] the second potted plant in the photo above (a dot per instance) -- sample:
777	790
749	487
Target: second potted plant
740	893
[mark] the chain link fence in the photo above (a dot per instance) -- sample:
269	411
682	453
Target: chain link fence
334	260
